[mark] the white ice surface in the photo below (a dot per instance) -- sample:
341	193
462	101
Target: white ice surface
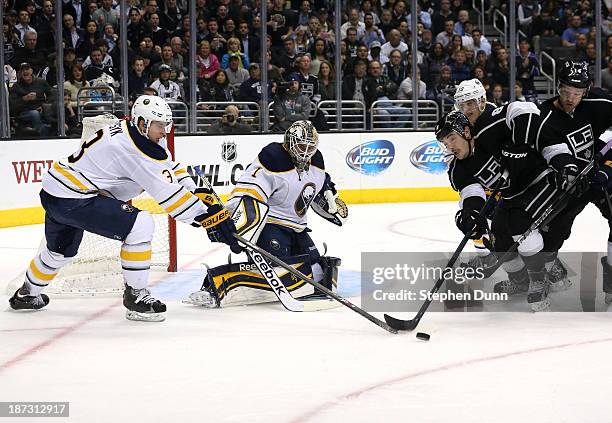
263	364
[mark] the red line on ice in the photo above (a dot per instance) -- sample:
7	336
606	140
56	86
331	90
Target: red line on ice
326	406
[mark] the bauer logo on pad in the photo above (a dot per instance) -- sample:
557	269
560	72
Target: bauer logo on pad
372	157
429	157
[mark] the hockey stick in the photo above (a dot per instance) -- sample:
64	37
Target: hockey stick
268	272
548	214
409	325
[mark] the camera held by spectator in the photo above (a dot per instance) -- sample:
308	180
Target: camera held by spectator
229	123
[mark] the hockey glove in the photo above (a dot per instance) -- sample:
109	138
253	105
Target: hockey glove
568	175
471	223
219	226
601	180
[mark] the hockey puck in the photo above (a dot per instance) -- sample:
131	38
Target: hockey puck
423	336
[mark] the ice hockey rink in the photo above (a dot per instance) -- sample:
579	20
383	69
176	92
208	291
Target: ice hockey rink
264	364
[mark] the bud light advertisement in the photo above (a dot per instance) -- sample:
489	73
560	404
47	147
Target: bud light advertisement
372	157
429	157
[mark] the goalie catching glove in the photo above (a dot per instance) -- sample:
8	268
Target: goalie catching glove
327	204
219	226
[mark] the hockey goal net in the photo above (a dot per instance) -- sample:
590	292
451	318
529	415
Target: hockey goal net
96	269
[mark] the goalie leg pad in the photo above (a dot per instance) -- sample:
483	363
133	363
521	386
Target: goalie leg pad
249	217
241	283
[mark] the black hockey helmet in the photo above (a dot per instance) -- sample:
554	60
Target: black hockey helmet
454	121
574	74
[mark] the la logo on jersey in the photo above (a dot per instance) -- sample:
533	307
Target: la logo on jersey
581	141
304	199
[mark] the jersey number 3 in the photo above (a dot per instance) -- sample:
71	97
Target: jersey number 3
77	155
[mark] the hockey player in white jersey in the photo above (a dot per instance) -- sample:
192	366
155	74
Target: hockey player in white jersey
289	178
89	190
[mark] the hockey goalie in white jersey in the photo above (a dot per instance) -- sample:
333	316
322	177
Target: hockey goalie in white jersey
89	190
289	178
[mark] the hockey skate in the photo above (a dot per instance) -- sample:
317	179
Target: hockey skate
557	276
486	264
21	300
517	283
537	295
141	306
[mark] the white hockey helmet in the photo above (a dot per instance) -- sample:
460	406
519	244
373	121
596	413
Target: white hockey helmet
301	141
151	108
470	89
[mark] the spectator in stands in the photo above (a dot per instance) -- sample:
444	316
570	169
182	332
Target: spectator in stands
274	73
26	99
569	35
445	36
281	21
433	64
362	54
478	42
150	9
372	33
318	53
353	22
327	81
543	25
285	59
399	12
136	28
250	44
501	68
106	14
385	90
165	87
394	43
11	40
480	73
481	60
30	53
462	19
10	75
518	92
386	21
110	37
444	90
459	68
217	89
76	81
301	40
591	57
395	69
250	90
229	123
78	10
158	34
44	22
497	95
426	42
359	86
405	89
91	35
352	42
138	78
96	69
309	83
454	46
233	49
173	61
606	76
179	55
69	58
579	51
23	26
375	53
107	60
290	105
440	17
236	75
528	10
527	68
304	13
206	61
424	18
171	15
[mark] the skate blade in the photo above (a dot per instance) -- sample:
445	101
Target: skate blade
144	317
197	299
561	285
541	306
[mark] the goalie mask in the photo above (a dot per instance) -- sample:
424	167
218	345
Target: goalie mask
301	141
151	108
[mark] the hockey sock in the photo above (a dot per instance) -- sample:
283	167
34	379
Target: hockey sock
514	265
136	252
43	269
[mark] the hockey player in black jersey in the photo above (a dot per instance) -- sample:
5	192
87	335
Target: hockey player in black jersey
502	139
574	127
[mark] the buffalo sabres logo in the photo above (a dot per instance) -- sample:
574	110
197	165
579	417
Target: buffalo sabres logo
228	151
274	244
304	199
127	208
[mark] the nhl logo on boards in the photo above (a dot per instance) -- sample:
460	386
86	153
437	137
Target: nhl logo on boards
228	151
127	208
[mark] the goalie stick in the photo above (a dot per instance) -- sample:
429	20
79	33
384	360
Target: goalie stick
551	211
268	272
